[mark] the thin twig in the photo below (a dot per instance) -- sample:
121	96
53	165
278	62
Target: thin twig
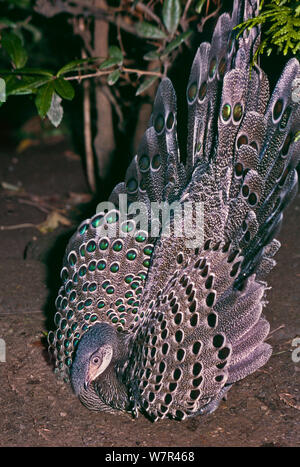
32	203
142	72
107	72
88	75
149	12
275	330
206	18
186	9
18	226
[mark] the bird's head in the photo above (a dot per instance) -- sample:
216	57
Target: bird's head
98	349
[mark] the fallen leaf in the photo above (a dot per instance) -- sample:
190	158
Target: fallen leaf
11	187
24	144
54	219
79	198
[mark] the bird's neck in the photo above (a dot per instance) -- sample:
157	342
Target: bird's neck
111	390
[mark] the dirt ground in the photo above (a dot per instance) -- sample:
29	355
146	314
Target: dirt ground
38	410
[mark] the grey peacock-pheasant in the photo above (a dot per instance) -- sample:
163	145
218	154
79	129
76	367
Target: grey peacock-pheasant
147	323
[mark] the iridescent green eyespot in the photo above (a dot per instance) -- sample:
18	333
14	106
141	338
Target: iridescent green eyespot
131	255
144	163
237	112
103	245
114	267
128	226
192	92
117	246
202	91
105	284
226	112
72	259
132	185
277	110
72	296
170	121
92	287
101	265
92	266
128	279
140	238
148	250
212	67
64	274
159	123
91	246
70	314
59	334
83	229
63	324
82	271
112	217
97	221
156	162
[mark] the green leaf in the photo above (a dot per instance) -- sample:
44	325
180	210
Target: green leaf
110	62
2	90
56	112
149	31
74	65
64	88
171	14
113	77
44	98
176	42
28	85
115	58
152	55
199	6
146	84
116	53
27	71
36	33
13	46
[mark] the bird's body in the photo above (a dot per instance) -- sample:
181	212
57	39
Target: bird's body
151	321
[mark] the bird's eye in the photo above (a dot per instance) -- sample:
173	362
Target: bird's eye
96	360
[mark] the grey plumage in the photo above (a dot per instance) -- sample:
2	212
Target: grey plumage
150	324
